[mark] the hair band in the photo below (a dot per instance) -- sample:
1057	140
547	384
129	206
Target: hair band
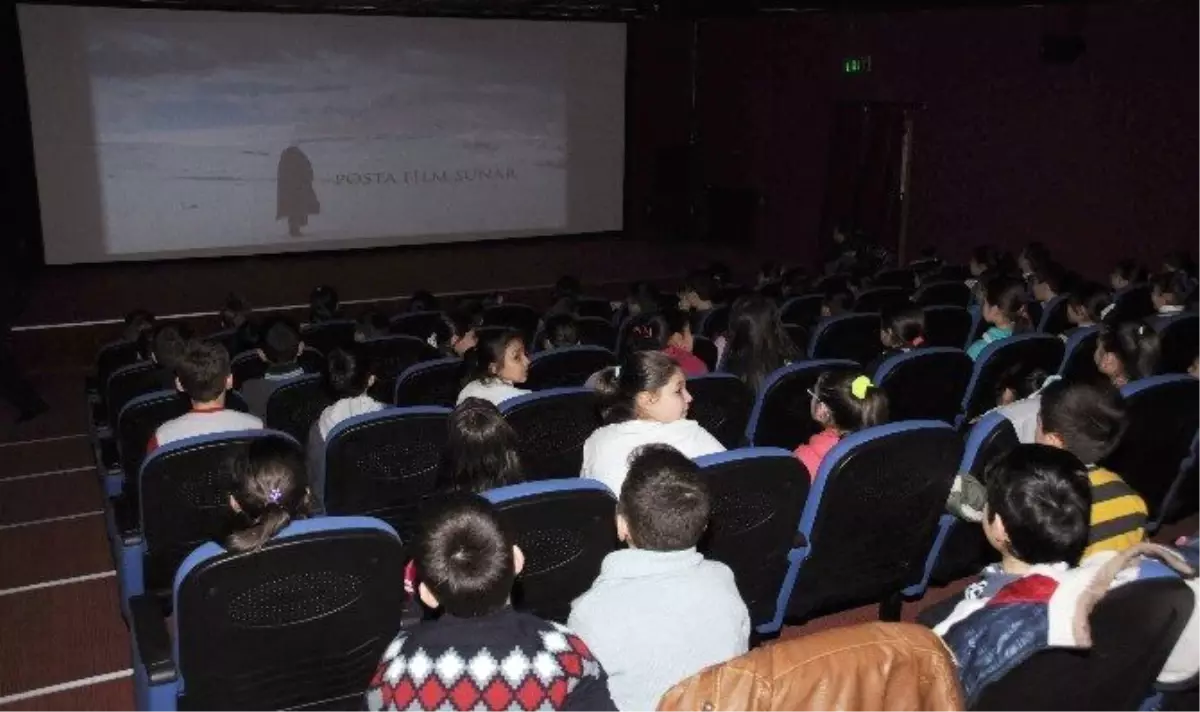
860	386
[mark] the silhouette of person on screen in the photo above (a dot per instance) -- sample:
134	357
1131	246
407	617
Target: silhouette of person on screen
295	198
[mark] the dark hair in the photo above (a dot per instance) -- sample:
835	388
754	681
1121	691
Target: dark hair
203	370
1022	379
838	299
702	283
758	343
465	557
1134	344
280	341
559	330
795	282
1089	417
849	412
372	324
567	287
137	322
640	371
422	301
456	325
1052	275
322	304
907	324
1010	297
985	255
644	296
234	311
1180	261
482	450
1092	298
1037	254
487	353
663	500
349	372
271	487
165	343
1174	286
1130	271
1042	496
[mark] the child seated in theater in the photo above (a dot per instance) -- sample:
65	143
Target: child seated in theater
1168	292
1127	352
459	334
902	331
137	322
1004	307
270	491
164	344
350	377
494	366
280	347
643	401
842	403
323	304
1088	420
481	653
1126	274
559	331
697	297
838	300
1087	306
668	331
1047	282
371	324
237	317
482	451
203	374
756	344
659	611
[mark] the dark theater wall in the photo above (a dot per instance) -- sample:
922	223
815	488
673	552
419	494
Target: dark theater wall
1097	158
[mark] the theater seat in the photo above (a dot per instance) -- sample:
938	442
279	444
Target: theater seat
567	367
389	356
595	331
782	413
184	491
881	300
950	294
804	310
326	336
721	403
757	495
421	325
383	464
1054	316
299	624
1179	339
434	382
715	322
248	365
514	316
705	350
565	528
295	406
848	336
869	521
925	383
1079	356
1029	350
947	326
552	427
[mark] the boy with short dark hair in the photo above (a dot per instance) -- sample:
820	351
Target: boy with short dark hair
1088	420
203	374
280	346
481	654
164	344
659	611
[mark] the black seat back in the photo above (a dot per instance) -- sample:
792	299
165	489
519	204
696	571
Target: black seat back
594	331
594	308
721	403
430	383
872	514
901	278
326	336
295	406
948	294
552	426
1079	357
1134	628
804	310
847	336
389	356
1130	304
129	382
567	367
185	489
705	350
947	326
136	425
1030	350
421	325
715	322
514	316
384	464
757	495
248	365
881	300
925	384
1179	343
1054	318
782	413
1163	415
301	623
111	357
565	528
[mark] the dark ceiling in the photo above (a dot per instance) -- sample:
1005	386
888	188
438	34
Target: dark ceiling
563	9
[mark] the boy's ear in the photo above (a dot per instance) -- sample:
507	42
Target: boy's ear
300	348
370	380
233	503
261	355
427	596
228	382
622	528
518	559
1054	440
179	385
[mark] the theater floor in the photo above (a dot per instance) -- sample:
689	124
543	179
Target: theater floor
65	645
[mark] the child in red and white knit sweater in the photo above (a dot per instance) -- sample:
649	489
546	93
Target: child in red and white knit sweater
481	654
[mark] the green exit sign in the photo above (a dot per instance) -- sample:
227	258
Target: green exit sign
856	65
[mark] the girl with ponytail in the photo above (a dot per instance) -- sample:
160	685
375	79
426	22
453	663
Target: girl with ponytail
842	403
270	491
643	401
1004	307
1127	352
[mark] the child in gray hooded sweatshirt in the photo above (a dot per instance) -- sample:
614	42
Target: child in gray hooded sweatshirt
659	611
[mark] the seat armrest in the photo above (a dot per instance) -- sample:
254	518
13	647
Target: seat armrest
125	517
151	639
110	458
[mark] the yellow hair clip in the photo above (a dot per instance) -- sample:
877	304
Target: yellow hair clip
860	386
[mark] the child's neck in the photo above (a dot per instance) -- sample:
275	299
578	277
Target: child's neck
216	404
1009	564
